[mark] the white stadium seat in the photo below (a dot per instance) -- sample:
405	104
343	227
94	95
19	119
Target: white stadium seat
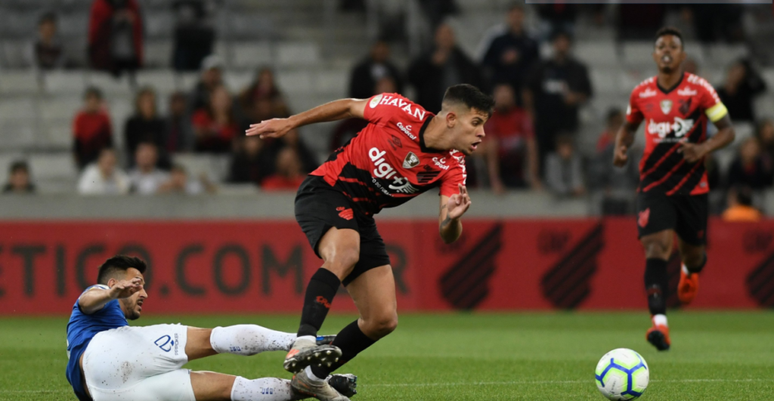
52	166
252	55
297	54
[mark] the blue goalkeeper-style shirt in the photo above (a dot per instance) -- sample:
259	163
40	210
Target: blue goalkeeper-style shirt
81	329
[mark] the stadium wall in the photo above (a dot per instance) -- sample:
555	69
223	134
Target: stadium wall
261	266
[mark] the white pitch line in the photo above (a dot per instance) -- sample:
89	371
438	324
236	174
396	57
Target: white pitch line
518	382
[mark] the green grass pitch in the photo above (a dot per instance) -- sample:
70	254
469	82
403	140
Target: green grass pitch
541	356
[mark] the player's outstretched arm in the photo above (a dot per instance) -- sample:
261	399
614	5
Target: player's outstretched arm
693	152
452	209
93	300
623	140
331	111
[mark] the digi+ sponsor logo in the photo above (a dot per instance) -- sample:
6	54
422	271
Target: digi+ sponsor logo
680	127
383	169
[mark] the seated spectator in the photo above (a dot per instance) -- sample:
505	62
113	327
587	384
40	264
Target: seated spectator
180	183
511	153
749	168
115	36
102	177
292	140
614	122
554	92
511	55
368	72
764	131
289	174
19	179
145	125
194	36
639	21
47	52
558	16
349	128
742	85
446	65
564	175
740	206
263	90
247	163
178	131
92	130
146	177
211	77
215	126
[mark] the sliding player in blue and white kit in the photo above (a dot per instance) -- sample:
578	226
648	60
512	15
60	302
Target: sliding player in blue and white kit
110	360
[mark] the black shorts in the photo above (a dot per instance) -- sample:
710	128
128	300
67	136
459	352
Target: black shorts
319	207
685	214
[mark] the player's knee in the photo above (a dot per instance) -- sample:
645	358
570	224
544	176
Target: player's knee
656	249
382	325
344	260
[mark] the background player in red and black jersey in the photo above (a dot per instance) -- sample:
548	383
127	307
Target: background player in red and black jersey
672	196
404	151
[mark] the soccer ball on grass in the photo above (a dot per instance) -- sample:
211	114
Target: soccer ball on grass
622	374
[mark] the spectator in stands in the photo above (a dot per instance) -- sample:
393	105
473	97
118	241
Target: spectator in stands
373	68
194	35
553	93
47	52
145	126
444	66
742	85
103	177
639	21
92	130
180	183
263	99
764	131
511	55
511	153
690	65
289	174
116	36
740	208
715	22
178	131
348	129
247	163
616	184
564	175
215	126
19	179
210	78
558	16
146	177
290	140
750	168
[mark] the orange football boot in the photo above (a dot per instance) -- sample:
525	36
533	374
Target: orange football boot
688	287
658	335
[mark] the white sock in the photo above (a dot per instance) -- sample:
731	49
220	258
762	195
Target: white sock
249	339
308	338
263	389
311	375
685	268
660	320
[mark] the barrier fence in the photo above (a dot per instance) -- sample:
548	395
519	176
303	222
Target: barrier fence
263	266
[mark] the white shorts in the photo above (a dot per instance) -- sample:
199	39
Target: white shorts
138	363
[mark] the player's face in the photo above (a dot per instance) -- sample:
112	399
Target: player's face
668	53
132	306
469	130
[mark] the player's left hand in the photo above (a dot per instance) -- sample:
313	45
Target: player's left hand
458	203
274	128
692	152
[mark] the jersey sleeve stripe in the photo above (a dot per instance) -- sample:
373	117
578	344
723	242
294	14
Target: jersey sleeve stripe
716	112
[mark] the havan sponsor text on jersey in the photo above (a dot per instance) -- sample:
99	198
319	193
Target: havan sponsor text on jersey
387	163
671	116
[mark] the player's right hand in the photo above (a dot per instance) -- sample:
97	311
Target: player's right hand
125	288
619	157
274	128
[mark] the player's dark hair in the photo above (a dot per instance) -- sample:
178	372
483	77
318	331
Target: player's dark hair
469	95
612	113
668	30
116	264
744	195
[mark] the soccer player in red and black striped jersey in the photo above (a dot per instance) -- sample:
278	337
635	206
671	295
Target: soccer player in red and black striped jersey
404	151
672	197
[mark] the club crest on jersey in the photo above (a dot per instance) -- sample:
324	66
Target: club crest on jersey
411	160
666	106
